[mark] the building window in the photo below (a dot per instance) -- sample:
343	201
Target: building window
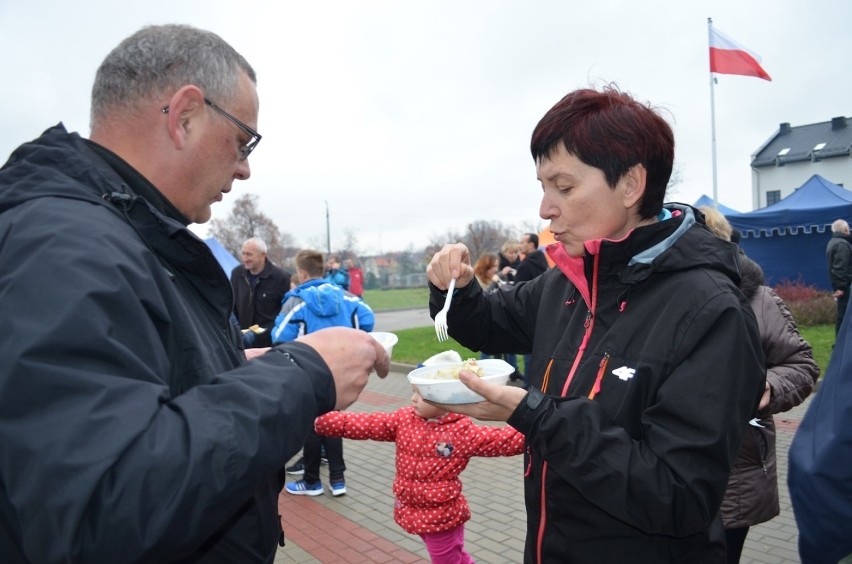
773	197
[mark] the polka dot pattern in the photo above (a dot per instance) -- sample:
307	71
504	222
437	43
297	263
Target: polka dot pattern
430	456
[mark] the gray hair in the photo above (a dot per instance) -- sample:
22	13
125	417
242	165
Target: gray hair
158	60
257	242
840	226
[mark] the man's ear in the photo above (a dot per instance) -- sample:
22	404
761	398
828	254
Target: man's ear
634	185
185	107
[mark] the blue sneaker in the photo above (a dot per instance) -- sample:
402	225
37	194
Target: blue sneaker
303	488
337	488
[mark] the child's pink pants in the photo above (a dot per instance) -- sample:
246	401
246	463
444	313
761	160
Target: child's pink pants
447	547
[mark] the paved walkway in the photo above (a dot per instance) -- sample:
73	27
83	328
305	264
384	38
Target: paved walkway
359	526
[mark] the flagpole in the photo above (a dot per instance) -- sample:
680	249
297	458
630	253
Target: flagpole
712	116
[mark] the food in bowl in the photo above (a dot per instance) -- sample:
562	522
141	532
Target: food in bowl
452	372
436	383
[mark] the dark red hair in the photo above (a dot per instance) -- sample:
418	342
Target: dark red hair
610	131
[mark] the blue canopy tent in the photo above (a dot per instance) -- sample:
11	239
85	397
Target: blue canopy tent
788	238
706	200
226	259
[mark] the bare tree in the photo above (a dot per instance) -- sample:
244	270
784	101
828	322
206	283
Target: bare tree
675	179
480	237
485	237
246	221
349	247
530	227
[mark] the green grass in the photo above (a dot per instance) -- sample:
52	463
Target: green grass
821	339
398	298
418	344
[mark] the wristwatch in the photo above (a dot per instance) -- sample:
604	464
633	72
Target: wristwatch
534	397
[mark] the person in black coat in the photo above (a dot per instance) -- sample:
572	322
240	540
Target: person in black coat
838	255
646	357
259	287
534	263
133	426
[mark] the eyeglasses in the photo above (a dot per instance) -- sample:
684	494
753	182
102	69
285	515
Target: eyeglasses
254	136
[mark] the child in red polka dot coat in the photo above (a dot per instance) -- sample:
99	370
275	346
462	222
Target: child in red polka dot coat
432	448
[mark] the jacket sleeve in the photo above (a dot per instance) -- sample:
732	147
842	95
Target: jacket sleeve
376	426
364	314
499	322
287	322
694	420
100	462
820	465
790	367
495	441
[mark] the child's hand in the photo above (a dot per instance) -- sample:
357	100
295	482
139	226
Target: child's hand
500	401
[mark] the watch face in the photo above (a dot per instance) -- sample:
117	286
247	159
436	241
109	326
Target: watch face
534	398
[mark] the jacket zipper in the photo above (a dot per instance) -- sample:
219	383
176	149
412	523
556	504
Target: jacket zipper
596	388
589	326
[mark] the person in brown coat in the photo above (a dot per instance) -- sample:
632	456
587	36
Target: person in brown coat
752	494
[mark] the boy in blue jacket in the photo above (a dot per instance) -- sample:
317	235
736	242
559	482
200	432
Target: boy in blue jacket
316	304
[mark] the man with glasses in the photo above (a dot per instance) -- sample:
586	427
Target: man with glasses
133	427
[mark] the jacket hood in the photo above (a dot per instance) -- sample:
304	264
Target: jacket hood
321	297
679	242
752	276
63	165
54	161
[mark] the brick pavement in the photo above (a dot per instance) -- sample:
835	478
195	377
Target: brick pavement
359	526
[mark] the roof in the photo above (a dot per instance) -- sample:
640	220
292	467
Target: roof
812	207
806	142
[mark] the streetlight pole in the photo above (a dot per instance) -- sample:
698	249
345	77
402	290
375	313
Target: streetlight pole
327	229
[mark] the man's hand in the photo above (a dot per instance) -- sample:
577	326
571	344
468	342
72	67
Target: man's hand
500	401
452	261
351	355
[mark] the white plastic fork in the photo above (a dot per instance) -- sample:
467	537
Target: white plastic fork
441	317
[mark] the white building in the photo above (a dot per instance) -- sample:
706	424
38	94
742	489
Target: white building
793	154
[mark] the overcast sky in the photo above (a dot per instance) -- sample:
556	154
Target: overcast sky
411	119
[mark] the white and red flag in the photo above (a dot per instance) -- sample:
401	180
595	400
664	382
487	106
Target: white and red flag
729	57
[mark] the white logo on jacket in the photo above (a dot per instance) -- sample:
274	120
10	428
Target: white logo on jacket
624	373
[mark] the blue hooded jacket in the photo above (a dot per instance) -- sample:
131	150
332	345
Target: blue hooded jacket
317	304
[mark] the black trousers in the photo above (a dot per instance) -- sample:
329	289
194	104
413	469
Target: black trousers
735	539
842	304
334	453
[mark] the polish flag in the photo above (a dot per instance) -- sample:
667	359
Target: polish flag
729	57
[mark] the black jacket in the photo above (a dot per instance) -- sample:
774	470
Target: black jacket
533	265
838	254
259	303
654	328
132	428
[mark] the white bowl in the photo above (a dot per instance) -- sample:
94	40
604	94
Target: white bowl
453	391
387	340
